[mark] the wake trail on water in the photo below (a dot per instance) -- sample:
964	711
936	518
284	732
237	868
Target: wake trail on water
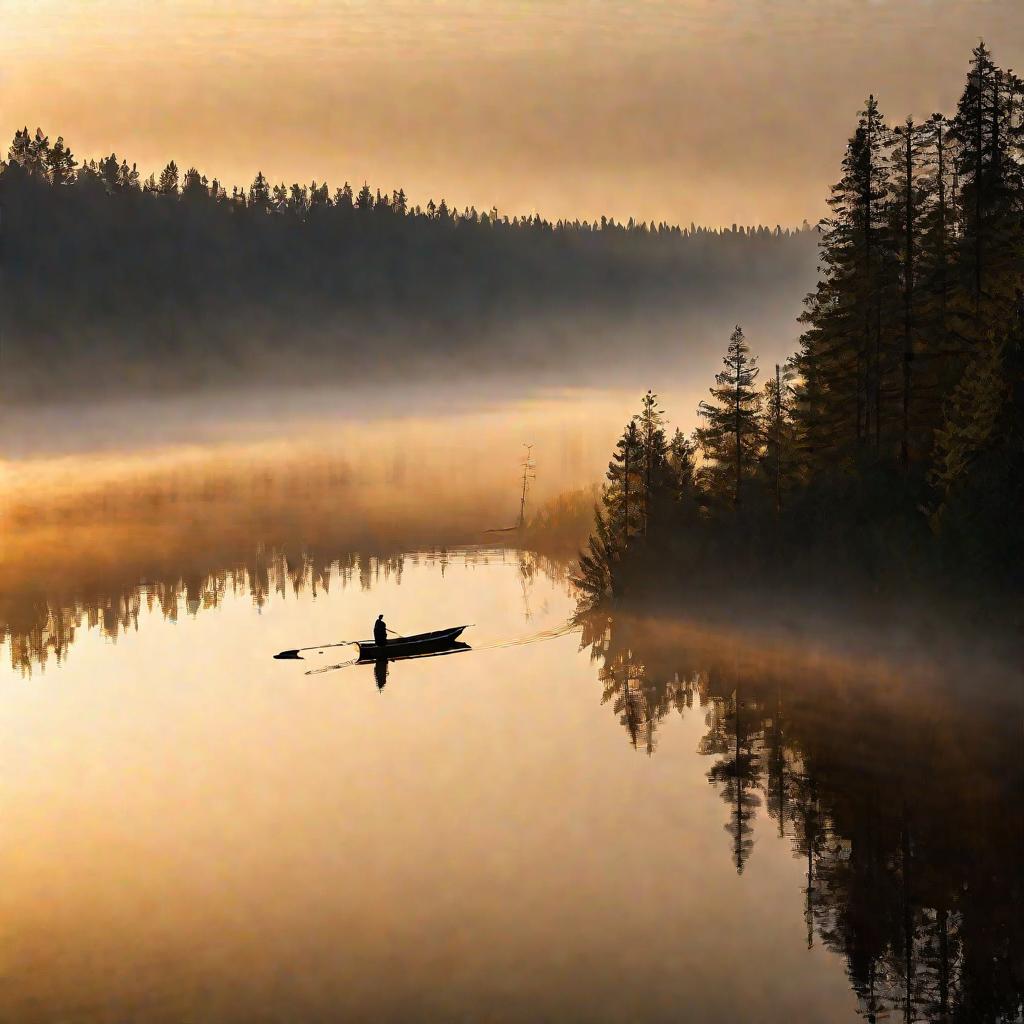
564	629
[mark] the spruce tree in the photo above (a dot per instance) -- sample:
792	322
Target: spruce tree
937	362
127	177
19	151
167	184
730	441
595	572
985	130
259	193
623	493
842	357
194	185
60	163
778	432
682	468
654	462
907	209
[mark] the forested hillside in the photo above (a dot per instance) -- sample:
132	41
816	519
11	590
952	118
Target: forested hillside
115	283
893	439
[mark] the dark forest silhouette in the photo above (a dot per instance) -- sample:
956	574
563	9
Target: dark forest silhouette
118	284
893	440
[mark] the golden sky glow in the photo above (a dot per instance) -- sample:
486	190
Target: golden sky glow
707	110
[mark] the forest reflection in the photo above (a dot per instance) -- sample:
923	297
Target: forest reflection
95	552
900	789
37	629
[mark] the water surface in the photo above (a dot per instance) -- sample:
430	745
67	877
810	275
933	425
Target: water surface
694	813
630	820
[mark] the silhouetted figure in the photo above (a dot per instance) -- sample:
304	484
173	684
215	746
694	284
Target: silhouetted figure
380	631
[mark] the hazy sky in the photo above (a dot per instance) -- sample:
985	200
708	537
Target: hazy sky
707	110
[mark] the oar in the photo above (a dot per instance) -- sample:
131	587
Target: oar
294	653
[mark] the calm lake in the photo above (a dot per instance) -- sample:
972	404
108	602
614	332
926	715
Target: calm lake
606	817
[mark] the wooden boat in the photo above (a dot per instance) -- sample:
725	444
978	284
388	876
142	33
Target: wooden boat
407	646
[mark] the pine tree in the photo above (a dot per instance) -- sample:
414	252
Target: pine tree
167	184
298	200
60	163
682	467
19	151
778	432
841	357
984	129
109	168
259	193
127	177
616	520
343	200
594	575
655	487
907	211
319	196
730	441
31	152
194	185
939	217
936	365
279	198
622	496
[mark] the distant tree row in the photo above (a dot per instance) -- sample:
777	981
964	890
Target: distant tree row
901	417
55	164
112	280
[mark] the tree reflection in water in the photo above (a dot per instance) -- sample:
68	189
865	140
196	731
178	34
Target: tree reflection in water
902	792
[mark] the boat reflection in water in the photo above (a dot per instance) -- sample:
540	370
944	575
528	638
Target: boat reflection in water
381	659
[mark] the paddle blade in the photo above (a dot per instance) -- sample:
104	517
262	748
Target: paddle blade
289	655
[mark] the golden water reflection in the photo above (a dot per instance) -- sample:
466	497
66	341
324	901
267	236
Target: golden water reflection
90	540
650	818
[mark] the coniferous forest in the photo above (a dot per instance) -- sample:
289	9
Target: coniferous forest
891	445
115	283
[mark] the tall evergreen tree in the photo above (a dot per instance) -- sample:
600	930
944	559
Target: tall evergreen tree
167	183
623	492
60	163
908	206
655	487
19	151
108	169
778	432
194	185
364	201
985	128
127	177
683	468
259	193
31	153
842	356
731	440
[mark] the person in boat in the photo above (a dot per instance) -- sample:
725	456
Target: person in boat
380	631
